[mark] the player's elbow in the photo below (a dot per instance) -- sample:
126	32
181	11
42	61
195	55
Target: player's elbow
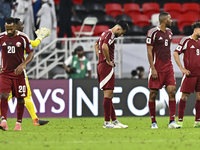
175	54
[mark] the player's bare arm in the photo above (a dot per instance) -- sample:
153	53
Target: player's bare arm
96	47
150	58
20	68
105	50
177	59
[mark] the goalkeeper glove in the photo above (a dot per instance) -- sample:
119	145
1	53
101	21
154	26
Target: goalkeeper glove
44	32
37	32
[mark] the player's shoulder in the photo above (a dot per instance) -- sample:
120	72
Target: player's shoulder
152	31
185	39
169	30
108	34
22	35
3	34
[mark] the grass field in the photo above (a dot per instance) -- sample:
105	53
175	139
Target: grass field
88	134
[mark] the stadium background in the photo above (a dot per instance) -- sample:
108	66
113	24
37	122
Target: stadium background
57	96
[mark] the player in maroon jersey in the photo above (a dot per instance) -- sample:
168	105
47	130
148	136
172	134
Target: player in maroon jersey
104	48
190	47
12	75
161	72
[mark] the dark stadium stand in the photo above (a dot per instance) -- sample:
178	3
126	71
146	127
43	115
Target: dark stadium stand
137	12
150	8
99	29
126	18
113	9
173	8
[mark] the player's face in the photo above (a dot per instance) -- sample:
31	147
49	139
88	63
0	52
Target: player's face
169	21
120	32
10	29
20	26
197	30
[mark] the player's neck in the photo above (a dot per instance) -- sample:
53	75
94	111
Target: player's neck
162	27
194	37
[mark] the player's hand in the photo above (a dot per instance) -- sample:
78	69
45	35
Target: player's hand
186	72
1	69
111	63
154	73
44	32
19	69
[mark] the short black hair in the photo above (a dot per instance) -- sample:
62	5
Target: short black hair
124	25
10	20
79	48
196	25
162	15
133	72
140	68
16	20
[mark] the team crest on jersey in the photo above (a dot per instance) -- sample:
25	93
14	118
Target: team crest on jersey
18	44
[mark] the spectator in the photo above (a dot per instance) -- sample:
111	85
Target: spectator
78	66
65	13
5	11
140	72
24	11
46	18
134	74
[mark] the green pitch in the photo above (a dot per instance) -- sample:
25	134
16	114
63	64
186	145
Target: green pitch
88	134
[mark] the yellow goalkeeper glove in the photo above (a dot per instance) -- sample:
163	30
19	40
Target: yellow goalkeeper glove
37	32
44	32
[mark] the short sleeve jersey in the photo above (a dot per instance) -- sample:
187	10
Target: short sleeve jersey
12	51
107	37
161	42
191	58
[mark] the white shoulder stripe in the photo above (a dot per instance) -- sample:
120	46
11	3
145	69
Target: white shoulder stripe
151	31
21	33
184	39
24	42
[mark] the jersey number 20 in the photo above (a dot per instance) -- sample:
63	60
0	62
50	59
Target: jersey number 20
11	49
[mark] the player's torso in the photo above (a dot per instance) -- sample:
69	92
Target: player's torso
192	56
161	50
109	38
162	45
12	50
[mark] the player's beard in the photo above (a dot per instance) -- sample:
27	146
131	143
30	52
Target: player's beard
11	34
116	35
168	25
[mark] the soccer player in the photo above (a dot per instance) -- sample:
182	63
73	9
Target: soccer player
104	48
12	76
161	72
28	102
190	47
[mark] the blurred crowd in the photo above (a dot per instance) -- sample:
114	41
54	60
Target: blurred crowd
33	13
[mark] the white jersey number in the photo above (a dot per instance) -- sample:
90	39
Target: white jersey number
166	42
22	89
11	49
197	52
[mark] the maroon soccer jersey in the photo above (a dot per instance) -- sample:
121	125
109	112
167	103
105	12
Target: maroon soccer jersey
12	51
161	42
107	37
191	58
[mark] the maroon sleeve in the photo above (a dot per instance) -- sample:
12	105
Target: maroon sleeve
107	38
149	39
27	45
180	48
